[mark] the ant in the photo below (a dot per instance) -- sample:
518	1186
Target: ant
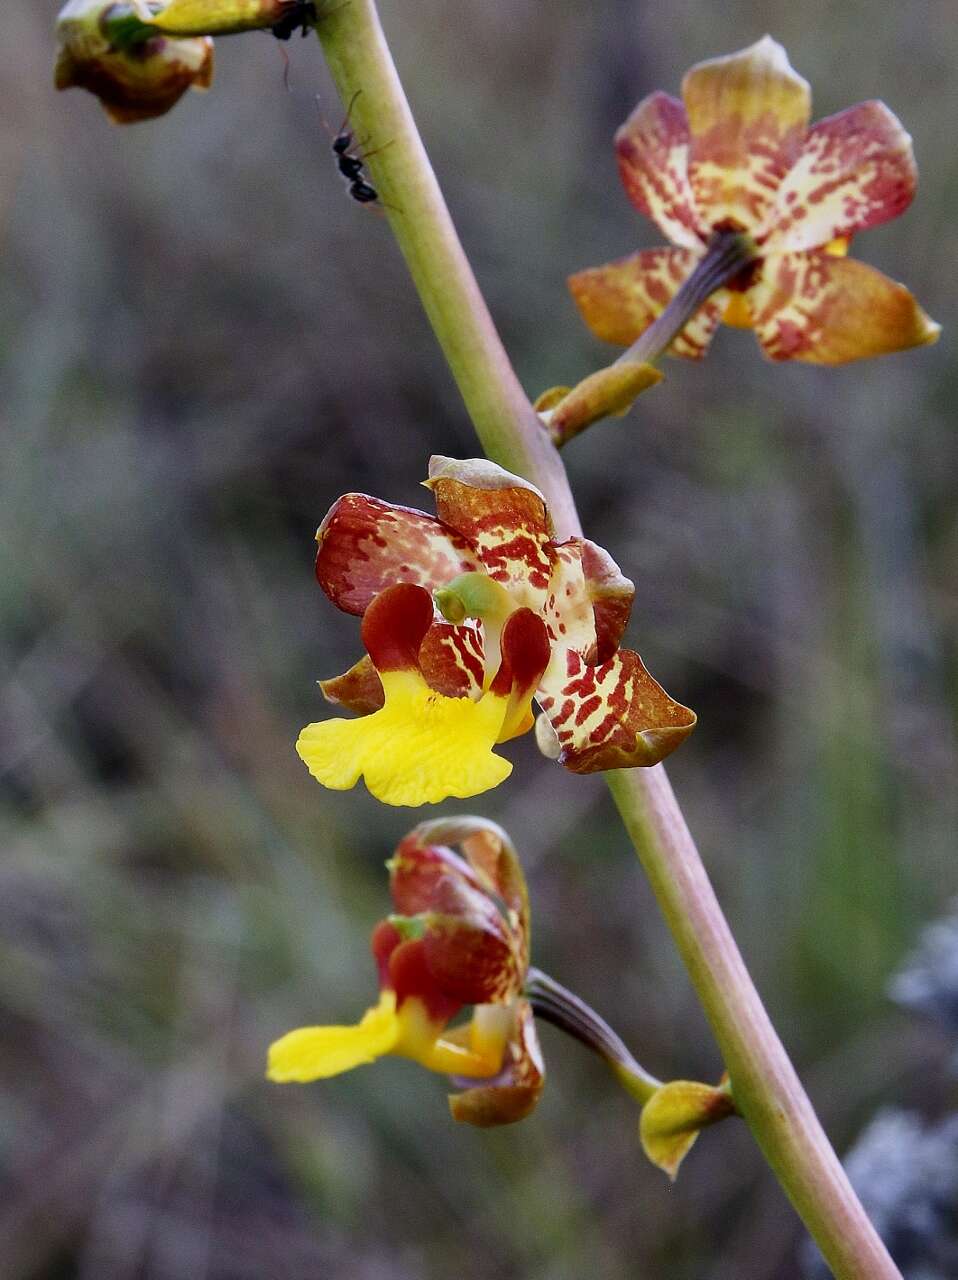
302	15
350	164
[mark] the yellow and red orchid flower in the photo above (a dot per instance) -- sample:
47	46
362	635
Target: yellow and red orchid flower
460	937
738	155
466	616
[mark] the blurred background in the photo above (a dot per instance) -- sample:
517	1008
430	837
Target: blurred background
203	342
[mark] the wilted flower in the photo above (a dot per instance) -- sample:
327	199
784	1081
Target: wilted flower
135	81
460	938
739	156
515	614
906	1174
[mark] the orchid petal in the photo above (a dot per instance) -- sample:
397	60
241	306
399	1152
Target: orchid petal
856	170
612	716
470	954
526	653
653	150
359	689
611	594
825	310
516	1090
502	516
748	113
620	300
451	660
315	1053
491	862
366	545
420	748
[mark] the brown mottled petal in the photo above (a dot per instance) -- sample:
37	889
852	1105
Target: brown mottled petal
856	170
359	689
517	1088
612	716
611	593
748	113
827	310
480	473
653	153
450	659
502	516
366	545
620	300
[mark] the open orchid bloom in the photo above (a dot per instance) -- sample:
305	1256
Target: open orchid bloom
460	938
465	618
738	155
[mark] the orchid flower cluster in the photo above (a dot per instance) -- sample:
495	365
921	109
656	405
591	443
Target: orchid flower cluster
474	615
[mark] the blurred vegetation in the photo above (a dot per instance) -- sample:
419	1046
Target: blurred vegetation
202	343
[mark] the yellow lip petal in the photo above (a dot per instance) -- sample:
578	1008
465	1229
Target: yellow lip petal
315	1053
419	749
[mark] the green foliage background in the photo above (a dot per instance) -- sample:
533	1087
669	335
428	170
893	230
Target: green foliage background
202	344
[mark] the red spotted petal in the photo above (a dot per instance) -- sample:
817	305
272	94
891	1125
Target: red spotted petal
827	310
450	659
502	516
748	114
515	1092
856	170
395	625
612	716
569	613
621	299
653	152
366	545
611	594
359	689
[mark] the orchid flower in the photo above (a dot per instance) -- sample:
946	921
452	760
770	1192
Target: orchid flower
466	616
460	937
738	156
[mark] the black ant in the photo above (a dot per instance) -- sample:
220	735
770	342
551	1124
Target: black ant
350	164
302	16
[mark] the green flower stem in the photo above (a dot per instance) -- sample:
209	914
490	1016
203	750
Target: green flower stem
766	1088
